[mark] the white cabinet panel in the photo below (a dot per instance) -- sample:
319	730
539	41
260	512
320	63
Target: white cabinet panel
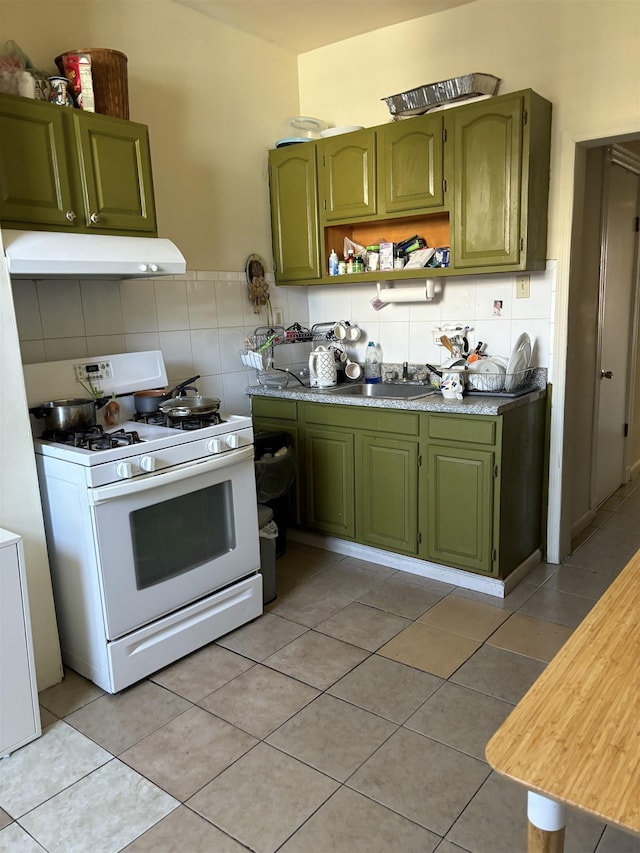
19	711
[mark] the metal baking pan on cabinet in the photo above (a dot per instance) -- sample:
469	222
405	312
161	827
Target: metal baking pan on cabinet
424	98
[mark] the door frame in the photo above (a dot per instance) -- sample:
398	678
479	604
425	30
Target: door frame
558	516
614	156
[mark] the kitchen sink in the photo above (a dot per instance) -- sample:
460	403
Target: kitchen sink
384	390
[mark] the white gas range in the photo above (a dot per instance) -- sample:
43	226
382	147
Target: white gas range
153	542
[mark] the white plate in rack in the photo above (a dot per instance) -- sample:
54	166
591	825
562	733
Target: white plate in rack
523	344
519	361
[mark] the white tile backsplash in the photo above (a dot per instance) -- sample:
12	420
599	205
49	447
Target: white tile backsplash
27	307
171	304
200	321
201	303
205	348
101	307
61	309
230	295
139	311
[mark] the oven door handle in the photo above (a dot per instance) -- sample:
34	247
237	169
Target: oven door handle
133	486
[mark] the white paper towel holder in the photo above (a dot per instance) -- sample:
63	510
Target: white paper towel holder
414	293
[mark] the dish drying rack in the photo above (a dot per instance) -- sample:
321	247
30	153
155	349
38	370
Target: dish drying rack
501	384
259	348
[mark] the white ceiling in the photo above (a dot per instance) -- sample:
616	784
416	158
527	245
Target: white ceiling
303	25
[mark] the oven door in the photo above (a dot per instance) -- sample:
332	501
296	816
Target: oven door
170	538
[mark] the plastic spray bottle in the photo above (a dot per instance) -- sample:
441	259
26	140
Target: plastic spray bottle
372	366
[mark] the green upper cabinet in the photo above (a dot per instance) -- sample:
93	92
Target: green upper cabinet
34	179
115	168
64	169
500	177
294	212
474	178
348	176
411	164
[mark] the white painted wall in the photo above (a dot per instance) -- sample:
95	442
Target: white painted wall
20	509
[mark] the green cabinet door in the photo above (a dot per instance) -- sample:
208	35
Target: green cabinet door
487	139
294	212
330	473
34	179
348	178
387	493
460	507
115	169
411	164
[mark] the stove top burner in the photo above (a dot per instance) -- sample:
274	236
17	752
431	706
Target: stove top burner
191	423
94	438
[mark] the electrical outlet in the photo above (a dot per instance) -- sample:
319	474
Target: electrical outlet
278	317
522	287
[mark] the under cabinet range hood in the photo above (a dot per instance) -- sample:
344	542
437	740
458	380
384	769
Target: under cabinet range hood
55	254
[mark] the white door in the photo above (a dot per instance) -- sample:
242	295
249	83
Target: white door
618	266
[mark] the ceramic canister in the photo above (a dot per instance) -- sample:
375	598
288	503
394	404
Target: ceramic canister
322	368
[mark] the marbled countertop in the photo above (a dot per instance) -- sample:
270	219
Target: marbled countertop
472	404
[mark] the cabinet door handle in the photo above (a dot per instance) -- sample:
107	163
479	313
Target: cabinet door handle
70	215
95	218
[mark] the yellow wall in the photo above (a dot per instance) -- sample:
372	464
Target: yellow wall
215	100
583	56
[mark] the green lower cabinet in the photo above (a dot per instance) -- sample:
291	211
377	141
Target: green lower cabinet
330	475
387	493
461	507
460	490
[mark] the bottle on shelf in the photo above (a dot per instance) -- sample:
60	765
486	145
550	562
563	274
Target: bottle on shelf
350	261
333	263
372	366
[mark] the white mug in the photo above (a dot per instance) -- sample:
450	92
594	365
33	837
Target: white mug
452	386
353	334
340	331
353	370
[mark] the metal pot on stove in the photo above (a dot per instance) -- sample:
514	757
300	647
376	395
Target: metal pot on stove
75	414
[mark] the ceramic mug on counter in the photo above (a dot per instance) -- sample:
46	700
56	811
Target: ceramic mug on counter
452	385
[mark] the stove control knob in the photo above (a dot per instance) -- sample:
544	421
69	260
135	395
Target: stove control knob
232	440
215	445
124	470
153	267
148	463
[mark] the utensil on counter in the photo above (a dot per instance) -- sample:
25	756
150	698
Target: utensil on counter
476	355
445	340
148	402
72	414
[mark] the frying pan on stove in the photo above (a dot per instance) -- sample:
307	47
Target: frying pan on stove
147	402
190	406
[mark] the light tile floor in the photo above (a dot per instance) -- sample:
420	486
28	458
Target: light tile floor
352	716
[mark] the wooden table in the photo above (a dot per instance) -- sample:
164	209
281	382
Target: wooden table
574	738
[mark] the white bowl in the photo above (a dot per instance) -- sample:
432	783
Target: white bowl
487	374
336	131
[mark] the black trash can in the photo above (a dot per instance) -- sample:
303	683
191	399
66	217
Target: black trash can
275	474
268	533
